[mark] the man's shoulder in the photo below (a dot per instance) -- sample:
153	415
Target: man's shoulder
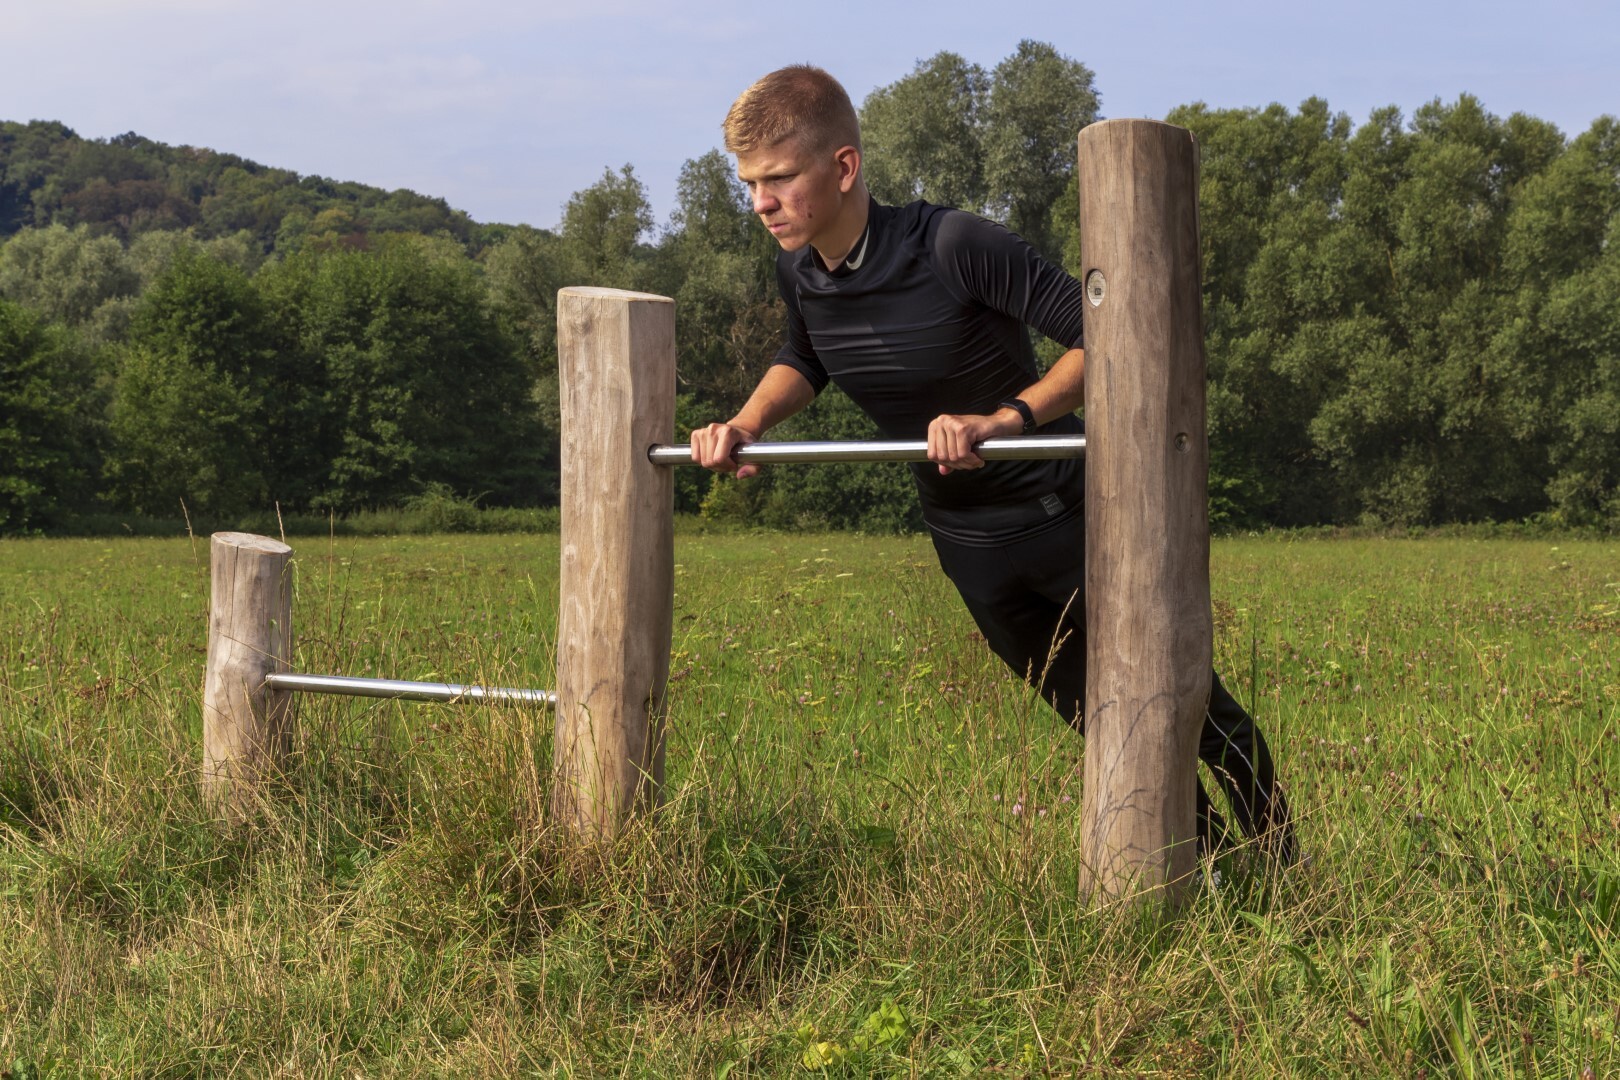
957	231
918	218
947	231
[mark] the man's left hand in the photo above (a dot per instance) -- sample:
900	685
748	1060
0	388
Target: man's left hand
951	438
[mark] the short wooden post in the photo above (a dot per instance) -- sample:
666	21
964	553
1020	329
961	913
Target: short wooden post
1149	630
616	362
245	724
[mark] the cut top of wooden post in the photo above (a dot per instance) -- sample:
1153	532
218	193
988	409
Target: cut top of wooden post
596	291
251	542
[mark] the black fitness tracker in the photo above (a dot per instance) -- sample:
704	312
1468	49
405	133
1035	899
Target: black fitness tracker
1017	404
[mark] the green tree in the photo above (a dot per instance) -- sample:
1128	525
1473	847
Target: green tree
602	230
416	380
67	275
1402	320
1582	320
1000	144
188	413
1275	278
1039	100
151	254
51	405
1447	444
922	135
523	272
1561	335
30	155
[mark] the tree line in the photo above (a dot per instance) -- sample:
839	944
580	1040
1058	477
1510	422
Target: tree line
1409	321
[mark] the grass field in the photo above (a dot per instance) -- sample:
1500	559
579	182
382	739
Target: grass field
868	858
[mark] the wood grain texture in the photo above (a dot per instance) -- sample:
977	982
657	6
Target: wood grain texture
616	360
246	726
1147	527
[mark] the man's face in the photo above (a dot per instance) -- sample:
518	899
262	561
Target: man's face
797	194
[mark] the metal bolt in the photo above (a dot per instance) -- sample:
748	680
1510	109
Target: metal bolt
1096	288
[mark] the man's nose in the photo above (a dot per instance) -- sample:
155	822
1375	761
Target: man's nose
765	202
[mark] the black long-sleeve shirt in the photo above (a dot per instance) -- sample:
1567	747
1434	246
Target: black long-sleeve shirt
934	320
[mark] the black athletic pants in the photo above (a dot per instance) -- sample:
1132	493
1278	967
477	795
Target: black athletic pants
1030	593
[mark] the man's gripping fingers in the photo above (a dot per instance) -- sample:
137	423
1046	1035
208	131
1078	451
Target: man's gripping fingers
951	440
712	447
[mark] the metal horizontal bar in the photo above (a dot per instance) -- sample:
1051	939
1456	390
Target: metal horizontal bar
405	691
1015	448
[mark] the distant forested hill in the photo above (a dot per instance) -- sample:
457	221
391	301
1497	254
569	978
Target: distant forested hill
129	185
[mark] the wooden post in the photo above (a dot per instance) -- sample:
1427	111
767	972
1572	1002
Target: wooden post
1149	629
245	724
616	362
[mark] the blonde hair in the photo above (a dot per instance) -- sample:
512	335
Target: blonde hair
799	101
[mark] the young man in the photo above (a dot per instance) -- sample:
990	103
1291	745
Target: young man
919	313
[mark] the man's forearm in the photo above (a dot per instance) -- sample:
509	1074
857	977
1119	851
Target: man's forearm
780	393
1061	390
952	438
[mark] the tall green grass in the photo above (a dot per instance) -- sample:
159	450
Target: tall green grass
868	858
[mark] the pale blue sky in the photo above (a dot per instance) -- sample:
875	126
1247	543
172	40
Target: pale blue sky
505	108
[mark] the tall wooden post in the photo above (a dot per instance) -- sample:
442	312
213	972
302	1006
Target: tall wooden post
1148	620
245	724
616	361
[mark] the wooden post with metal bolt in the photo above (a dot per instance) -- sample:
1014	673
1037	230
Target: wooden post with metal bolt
616	362
1149	631
246	725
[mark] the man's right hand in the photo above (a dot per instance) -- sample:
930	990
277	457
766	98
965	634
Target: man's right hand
713	444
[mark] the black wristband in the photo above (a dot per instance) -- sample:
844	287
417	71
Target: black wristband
1018	406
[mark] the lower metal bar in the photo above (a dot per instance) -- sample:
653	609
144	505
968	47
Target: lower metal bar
406	691
1016	448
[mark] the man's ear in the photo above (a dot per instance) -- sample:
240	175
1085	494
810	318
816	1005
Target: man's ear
849	167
